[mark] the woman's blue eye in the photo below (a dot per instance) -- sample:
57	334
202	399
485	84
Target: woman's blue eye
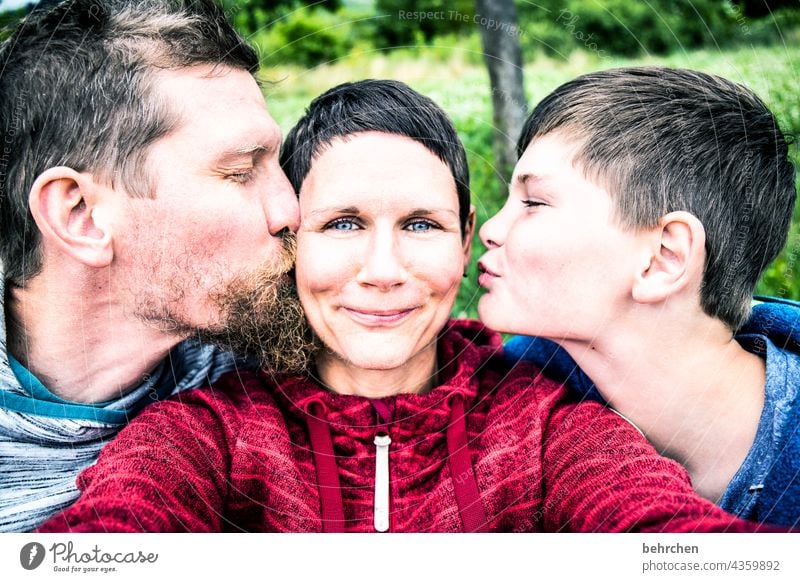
420	226
342	225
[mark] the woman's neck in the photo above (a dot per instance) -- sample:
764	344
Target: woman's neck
694	391
416	376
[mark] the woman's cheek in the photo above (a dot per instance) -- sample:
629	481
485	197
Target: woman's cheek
443	268
321	257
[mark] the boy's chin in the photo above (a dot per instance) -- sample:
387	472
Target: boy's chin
489	315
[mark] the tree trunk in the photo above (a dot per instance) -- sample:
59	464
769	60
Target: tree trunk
500	33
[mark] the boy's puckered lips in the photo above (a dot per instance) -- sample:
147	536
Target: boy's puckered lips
486	275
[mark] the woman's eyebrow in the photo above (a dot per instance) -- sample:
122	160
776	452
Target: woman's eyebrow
335	210
432	211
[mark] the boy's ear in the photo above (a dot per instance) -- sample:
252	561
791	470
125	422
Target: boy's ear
469	232
64	205
676	258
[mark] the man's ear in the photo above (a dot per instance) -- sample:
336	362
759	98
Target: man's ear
469	232
63	203
676	258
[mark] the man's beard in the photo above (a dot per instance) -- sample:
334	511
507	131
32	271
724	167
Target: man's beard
259	315
262	317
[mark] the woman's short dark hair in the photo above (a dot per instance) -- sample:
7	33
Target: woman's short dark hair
375	105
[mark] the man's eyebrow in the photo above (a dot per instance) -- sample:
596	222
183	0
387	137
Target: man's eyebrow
244	151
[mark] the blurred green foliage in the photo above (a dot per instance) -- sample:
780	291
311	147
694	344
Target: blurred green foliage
251	16
311	33
9	19
623	28
305	37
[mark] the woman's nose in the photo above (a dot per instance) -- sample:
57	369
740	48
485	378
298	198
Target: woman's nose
383	266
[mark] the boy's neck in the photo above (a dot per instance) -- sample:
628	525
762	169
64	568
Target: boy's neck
688	385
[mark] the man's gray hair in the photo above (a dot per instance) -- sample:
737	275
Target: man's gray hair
77	90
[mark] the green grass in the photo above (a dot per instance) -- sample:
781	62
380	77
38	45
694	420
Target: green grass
454	77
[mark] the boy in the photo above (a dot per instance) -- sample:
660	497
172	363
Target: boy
700	190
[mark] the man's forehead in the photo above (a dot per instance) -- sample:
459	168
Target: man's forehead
213	89
200	74
220	103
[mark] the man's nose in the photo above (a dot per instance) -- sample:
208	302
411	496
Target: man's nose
281	207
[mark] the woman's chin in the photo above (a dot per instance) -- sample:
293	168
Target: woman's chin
377	358
378	362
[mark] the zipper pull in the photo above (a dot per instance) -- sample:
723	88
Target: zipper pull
381	512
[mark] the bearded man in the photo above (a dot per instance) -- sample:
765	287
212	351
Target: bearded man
142	208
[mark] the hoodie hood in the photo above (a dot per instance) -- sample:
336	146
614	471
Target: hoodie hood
463	345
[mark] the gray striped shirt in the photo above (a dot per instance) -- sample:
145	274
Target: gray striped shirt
42	454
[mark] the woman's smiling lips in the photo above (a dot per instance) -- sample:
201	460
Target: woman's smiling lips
486	275
378	318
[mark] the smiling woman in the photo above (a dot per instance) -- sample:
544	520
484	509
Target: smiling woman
381	255
407	422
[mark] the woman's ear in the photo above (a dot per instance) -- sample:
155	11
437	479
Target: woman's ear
469	232
64	205
676	259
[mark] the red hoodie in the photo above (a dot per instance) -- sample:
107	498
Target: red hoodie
487	450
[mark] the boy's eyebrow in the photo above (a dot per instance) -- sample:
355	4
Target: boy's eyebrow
546	183
525	178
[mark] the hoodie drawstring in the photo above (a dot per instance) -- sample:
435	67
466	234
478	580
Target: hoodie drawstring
473	516
382	497
465	486
330	490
